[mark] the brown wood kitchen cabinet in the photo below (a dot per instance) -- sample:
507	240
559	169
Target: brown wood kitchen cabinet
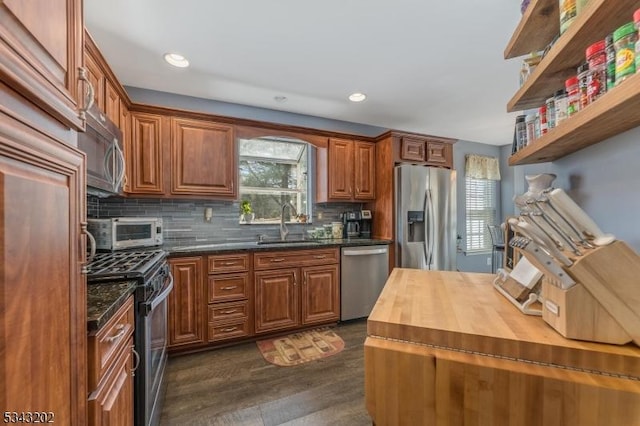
147	154
426	150
41	45
186	302
95	76
345	171
43	292
42	194
174	156
230	297
203	158
111	369
296	288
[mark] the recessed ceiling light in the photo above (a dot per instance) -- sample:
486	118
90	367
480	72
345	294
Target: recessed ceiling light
357	97
280	99
176	60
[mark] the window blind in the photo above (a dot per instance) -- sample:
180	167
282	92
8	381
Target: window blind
481	200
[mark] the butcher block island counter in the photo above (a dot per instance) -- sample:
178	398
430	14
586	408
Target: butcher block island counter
445	348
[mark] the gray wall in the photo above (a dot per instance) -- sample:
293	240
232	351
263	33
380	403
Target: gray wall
604	179
472	262
152	97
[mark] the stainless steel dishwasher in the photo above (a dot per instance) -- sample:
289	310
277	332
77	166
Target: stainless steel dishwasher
364	271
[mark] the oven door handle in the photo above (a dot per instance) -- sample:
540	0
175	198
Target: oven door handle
150	306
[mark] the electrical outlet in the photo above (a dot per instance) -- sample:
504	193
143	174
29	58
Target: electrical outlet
488	261
319	215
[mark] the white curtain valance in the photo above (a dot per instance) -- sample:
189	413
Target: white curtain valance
481	167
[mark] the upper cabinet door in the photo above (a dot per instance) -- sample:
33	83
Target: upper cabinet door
96	79
439	153
365	172
204	159
40	52
412	149
340	169
146	161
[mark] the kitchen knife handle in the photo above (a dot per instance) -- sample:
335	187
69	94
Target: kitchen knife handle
545	243
580	217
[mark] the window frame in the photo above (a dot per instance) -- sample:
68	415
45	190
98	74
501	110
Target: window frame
307	153
487	215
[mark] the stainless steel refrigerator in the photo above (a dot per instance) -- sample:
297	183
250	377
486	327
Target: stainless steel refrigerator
425	201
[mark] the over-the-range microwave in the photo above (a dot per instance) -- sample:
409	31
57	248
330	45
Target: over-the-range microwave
118	233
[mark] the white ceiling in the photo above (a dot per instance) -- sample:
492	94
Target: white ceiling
427	66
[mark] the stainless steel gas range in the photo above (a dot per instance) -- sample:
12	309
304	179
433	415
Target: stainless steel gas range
151	270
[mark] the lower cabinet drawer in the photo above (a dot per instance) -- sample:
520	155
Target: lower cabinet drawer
104	345
228	311
228	287
229	330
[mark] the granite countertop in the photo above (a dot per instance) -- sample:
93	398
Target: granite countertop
194	248
104	300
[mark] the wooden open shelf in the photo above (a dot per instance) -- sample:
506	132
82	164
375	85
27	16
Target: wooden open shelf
615	112
599	18
538	26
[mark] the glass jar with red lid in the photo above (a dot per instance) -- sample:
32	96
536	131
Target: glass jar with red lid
597	77
573	95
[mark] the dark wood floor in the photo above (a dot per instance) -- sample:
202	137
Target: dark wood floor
236	386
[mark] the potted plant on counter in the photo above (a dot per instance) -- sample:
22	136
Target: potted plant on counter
246	211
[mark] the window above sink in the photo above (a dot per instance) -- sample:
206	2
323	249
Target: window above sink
275	171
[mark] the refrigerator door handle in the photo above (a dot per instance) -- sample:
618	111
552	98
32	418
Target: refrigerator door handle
429	231
425	248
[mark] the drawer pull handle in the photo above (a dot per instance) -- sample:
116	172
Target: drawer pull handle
230	287
229	329
279	259
229	263
230	311
121	330
320	257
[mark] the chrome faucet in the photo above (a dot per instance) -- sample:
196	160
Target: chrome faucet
284	231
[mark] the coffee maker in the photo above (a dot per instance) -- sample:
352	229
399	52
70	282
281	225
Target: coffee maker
357	224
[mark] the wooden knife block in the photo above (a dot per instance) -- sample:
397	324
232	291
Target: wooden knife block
605	304
576	314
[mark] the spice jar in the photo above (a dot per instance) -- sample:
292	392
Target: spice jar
530	123
568	13
583	75
542	120
597	76
573	95
561	106
521	132
624	41
551	112
610	51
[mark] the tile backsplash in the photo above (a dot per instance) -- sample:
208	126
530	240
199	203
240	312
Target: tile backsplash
184	221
